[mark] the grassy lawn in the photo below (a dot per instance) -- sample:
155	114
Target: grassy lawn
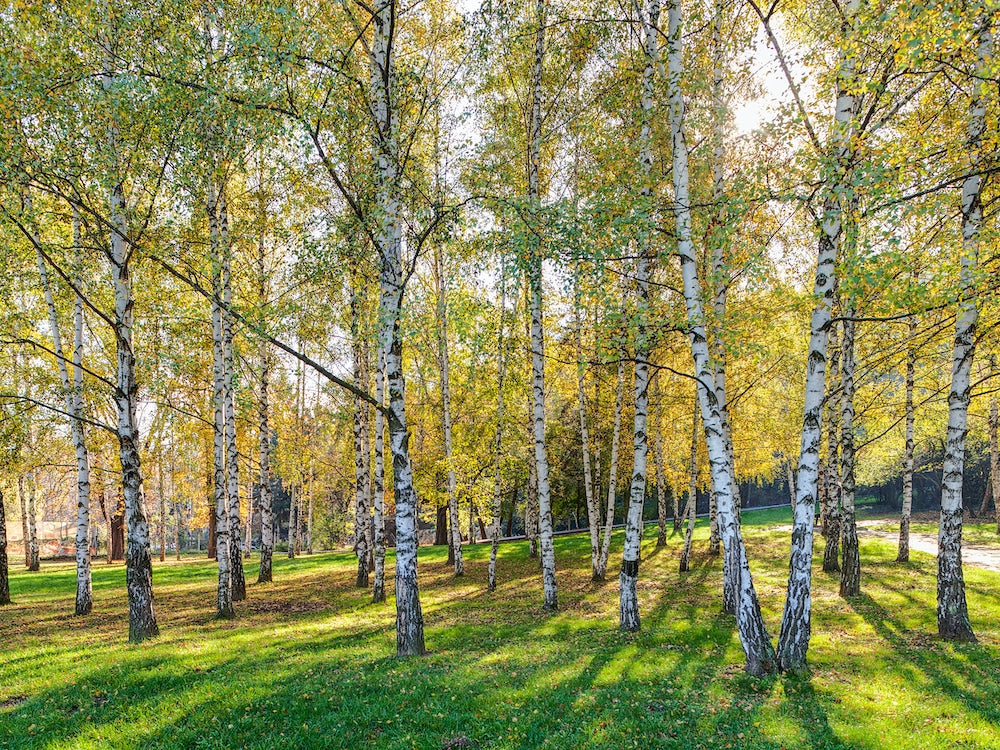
309	662
979	532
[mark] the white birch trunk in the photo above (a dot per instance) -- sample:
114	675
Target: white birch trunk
378	587
952	610
760	657
995	459
661	487
831	507
441	284
362	461
22	499
692	502
793	640
546	544
491	579
265	574
593	515
4	571
237	578
409	615
629	576
850	576
34	563
616	431
224	590
903	554
73	399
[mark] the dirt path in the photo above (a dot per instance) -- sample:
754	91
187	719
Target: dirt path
972	554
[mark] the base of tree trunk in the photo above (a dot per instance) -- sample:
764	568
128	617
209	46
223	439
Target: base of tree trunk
265	574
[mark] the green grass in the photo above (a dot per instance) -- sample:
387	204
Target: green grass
982	533
309	662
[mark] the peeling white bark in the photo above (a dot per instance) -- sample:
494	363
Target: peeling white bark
760	657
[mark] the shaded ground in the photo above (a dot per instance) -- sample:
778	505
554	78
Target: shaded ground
308	662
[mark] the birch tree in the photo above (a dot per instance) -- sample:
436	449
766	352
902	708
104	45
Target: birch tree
760	656
629	576
952	610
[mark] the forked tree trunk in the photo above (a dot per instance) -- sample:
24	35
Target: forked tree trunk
952	610
850	576
903	554
692	503
609	512
760	657
224	590
628	578
237	579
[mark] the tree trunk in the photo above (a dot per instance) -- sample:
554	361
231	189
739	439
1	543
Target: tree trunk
34	564
661	485
831	510
293	521
409	616
760	657
73	390
629	575
850	577
223	556
441	309
25	534
4	583
238	580
692	502
378	587
952	611
593	515
265	574
546	543
903	555
491	582
362	453
616	430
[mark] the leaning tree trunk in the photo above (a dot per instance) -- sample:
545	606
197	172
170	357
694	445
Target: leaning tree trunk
760	657
73	390
4	583
441	308
692	503
903	555
491	582
237	579
224	590
546	544
793	639
629	576
952	611
409	616
850	576
616	430
362	461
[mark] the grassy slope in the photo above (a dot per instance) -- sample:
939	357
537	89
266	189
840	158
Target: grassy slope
309	661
